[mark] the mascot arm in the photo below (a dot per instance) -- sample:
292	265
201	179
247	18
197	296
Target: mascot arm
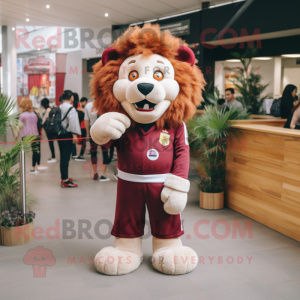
109	126
176	186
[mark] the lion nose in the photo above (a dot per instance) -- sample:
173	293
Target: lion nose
145	88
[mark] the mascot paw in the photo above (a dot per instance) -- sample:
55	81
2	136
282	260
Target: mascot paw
175	201
109	126
112	261
175	261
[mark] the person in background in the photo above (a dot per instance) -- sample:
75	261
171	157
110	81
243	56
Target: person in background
45	104
81	112
288	100
90	118
75	104
293	120
221	102
66	141
30	120
230	100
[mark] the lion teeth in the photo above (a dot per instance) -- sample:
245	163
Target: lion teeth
135	105
146	106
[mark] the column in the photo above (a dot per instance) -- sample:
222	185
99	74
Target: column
9	63
277	77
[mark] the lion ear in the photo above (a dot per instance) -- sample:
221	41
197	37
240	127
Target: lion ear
109	54
185	54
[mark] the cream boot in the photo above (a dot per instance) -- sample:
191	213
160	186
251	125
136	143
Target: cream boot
124	257
170	257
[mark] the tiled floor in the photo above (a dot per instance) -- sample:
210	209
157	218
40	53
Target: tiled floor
266	266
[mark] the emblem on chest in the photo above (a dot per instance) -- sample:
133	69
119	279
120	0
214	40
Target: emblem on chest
164	138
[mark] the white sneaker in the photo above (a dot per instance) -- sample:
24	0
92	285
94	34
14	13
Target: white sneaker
74	157
80	158
42	168
32	172
102	178
51	160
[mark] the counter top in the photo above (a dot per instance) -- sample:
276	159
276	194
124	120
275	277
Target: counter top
268	129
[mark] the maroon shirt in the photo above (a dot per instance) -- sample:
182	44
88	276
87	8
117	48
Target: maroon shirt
157	151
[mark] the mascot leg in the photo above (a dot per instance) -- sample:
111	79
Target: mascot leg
124	257
170	257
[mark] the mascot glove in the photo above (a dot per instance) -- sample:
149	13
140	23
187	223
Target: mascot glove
174	194
109	126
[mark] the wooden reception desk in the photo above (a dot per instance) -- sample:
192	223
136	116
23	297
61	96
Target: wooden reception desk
263	180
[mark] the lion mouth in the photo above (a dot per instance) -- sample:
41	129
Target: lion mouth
144	105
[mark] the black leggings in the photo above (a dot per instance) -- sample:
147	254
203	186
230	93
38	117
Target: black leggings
93	150
65	148
83	145
36	151
51	136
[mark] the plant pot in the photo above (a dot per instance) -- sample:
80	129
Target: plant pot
211	200
16	236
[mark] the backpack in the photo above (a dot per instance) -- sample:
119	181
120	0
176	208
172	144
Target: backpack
276	108
53	124
39	122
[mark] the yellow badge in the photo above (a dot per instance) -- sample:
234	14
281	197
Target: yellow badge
164	138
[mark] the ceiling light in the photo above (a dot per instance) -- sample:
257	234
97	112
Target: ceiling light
181	14
233	60
263	58
27	20
106	15
291	55
133	24
150	21
13	29
47	6
39	49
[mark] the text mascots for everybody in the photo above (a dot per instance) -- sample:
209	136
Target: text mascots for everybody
145	87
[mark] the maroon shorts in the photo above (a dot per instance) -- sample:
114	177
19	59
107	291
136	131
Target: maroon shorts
132	198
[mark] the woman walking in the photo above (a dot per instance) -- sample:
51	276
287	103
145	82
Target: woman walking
30	120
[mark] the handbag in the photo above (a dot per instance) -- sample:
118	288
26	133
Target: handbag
39	123
63	131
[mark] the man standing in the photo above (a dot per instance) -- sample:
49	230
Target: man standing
90	118
230	100
71	124
81	113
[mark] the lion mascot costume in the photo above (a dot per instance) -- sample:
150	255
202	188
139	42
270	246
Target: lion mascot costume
145	87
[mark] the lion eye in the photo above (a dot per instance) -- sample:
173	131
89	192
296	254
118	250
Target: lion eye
158	75
133	75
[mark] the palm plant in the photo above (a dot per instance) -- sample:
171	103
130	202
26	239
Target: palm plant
9	173
211	96
247	81
7	118
209	135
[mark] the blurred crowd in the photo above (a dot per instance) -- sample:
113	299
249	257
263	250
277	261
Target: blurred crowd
69	124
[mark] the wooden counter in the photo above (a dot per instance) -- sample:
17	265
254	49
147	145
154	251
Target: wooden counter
263	180
270	122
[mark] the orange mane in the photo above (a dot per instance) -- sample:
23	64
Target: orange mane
147	41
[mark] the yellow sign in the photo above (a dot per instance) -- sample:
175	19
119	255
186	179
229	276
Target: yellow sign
164	138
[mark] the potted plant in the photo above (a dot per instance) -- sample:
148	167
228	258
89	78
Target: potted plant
247	81
210	96
209	135
15	228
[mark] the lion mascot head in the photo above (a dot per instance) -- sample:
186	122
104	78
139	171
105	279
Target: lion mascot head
150	76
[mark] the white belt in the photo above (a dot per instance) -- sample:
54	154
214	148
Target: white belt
155	178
